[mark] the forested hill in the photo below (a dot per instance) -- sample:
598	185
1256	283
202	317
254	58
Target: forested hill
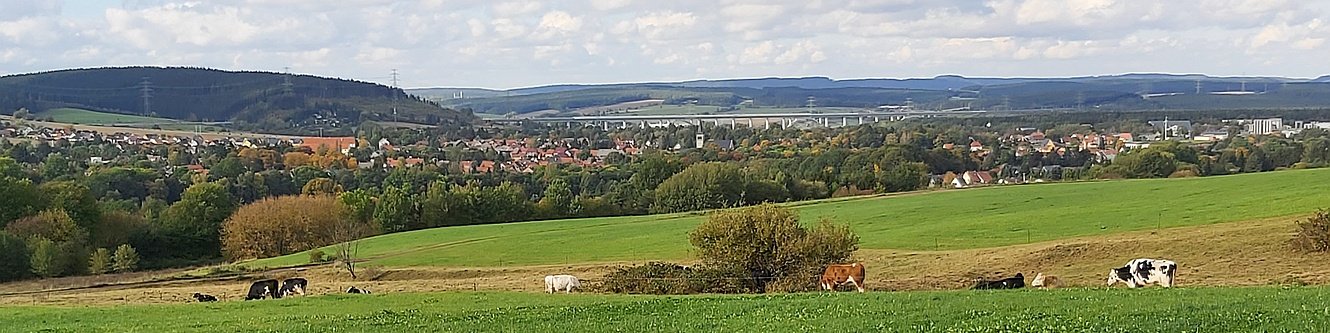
257	100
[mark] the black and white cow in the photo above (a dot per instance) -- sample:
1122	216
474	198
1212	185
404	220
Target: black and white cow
293	286
1143	272
354	290
262	289
204	297
1015	282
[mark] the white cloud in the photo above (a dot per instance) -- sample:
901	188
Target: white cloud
527	42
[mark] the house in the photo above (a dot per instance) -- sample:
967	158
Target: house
959	182
341	144
977	177
486	166
975	146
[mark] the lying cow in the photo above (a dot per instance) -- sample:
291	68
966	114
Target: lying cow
204	297
1015	282
1044	281
836	275
1143	272
262	289
293	286
354	290
561	282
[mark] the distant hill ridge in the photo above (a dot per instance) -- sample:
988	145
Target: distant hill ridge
1108	92
941	82
254	100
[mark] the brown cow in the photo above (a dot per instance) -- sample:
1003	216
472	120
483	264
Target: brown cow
836	275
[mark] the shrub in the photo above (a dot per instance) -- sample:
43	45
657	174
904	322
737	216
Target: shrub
317	256
46	259
125	259
1314	233
661	278
768	243
100	262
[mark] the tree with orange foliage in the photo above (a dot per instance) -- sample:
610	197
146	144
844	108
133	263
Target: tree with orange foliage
282	225
295	159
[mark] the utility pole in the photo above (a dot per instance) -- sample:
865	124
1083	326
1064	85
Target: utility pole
145	87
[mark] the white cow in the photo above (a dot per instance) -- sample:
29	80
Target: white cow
1143	272
561	282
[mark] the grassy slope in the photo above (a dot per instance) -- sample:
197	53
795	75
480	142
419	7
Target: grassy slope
68	115
1084	310
963	219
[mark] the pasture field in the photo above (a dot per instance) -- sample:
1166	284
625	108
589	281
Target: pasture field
80	116
1268	309
928	221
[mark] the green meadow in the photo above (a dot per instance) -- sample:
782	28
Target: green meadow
937	220
80	116
1264	309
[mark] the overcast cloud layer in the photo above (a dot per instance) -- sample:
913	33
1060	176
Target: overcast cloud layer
524	43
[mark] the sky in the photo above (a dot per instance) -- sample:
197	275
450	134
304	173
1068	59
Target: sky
507	44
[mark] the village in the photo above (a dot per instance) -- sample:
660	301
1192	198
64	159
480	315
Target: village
526	155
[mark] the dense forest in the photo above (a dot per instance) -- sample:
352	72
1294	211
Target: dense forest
260	101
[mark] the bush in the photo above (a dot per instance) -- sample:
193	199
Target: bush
767	243
317	256
125	260
46	259
100	262
1314	233
660	278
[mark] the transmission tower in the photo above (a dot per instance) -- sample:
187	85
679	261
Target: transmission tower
812	104
145	87
394	92
287	87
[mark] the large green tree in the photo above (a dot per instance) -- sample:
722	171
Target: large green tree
701	186
14	262
195	221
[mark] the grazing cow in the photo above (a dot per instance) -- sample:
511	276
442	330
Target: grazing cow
354	290
262	289
1015	282
1143	272
561	282
836	275
293	286
204	297
1044	281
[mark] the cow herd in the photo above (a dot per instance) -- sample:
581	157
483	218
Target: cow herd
1136	273
270	288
